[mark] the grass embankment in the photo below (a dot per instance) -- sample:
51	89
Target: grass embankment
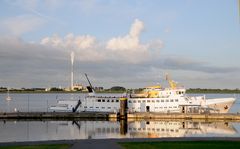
183	145
51	146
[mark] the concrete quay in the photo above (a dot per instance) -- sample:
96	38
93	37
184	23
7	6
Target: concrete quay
54	115
130	116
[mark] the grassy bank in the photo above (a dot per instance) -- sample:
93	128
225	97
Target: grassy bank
183	145
51	146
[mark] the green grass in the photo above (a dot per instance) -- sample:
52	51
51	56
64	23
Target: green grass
51	146
182	145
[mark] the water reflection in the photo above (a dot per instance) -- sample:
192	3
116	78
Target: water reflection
64	130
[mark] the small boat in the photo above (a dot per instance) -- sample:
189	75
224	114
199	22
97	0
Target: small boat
8	98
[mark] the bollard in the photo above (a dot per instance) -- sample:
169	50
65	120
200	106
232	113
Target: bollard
123	108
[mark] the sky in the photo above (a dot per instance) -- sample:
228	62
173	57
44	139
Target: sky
129	43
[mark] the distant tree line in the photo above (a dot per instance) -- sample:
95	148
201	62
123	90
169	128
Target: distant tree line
200	90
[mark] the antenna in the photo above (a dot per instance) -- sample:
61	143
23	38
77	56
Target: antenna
90	89
88	81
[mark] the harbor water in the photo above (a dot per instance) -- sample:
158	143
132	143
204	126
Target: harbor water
15	130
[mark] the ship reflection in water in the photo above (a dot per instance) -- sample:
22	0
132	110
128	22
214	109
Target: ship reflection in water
66	130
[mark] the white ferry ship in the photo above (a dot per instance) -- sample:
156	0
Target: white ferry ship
151	99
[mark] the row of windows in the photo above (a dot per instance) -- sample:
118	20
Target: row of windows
107	100
100	107
112	130
153	101
155	129
157	107
107	130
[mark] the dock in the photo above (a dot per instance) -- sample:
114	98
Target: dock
55	115
130	116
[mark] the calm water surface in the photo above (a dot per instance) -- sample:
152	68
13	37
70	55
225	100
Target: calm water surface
65	130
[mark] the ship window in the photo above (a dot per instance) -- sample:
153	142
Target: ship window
85	106
91	107
156	107
175	106
108	101
144	101
170	107
148	100
109	107
117	100
99	100
171	100
97	107
139	101
103	100
165	107
157	100
112	100
153	100
103	107
167	100
162	100
176	100
134	101
129	101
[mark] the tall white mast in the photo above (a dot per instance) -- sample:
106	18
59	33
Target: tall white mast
72	60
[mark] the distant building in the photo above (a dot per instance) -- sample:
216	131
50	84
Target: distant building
98	88
78	87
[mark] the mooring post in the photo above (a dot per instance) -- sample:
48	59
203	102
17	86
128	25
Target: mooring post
123	108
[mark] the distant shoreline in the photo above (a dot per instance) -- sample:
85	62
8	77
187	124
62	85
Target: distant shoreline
188	91
59	92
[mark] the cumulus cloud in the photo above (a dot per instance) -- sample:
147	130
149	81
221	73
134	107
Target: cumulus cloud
21	24
70	41
127	49
130	41
26	64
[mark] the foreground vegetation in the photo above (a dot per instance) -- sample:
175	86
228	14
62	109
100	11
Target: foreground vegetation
51	146
183	145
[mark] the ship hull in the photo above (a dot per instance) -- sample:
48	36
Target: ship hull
220	105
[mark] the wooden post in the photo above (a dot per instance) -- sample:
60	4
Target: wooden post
123	108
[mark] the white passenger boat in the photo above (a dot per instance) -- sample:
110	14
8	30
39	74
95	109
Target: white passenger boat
151	99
